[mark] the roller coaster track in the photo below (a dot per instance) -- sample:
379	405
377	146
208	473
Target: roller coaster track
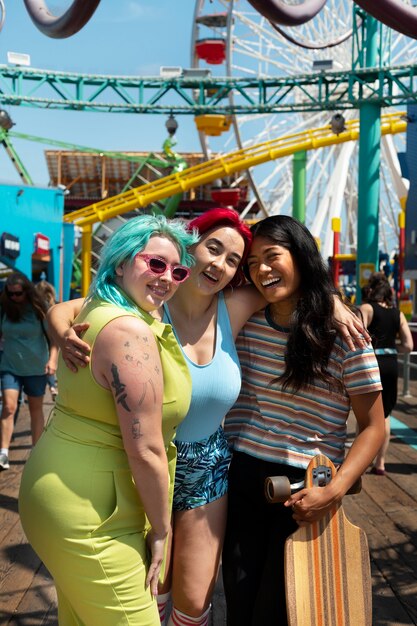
193	95
238	161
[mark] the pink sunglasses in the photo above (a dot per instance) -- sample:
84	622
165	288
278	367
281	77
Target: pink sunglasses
159	266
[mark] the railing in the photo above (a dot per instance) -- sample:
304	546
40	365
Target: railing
405	359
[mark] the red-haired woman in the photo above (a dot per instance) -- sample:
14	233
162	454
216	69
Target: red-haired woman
206	313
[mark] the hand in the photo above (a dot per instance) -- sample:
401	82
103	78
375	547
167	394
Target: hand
349	326
50	367
75	351
310	505
156	545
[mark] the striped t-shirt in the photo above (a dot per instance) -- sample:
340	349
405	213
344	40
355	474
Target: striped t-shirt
269	422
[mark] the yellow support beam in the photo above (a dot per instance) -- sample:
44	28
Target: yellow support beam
237	161
86	247
345	257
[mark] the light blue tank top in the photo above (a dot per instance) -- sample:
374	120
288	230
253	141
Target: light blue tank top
215	386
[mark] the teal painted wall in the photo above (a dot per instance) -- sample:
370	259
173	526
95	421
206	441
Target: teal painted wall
25	211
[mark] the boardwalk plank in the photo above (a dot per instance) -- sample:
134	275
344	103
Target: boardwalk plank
386	509
38	603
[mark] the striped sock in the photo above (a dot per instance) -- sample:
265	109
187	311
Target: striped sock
180	619
163	599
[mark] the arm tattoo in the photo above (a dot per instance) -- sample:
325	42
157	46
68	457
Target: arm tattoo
119	388
144	389
136	429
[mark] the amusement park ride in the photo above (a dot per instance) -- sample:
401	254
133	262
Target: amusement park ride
258	74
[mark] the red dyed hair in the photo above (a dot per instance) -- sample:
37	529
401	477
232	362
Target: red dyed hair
214	218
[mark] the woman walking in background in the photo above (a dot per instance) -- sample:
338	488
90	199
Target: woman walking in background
27	357
390	334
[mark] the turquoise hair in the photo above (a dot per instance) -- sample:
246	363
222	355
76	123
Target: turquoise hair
125	243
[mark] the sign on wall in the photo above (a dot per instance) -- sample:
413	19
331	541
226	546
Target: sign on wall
42	247
9	246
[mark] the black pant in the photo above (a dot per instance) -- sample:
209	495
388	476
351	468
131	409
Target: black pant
253	553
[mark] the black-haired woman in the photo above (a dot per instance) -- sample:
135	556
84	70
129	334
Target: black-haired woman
27	357
299	381
386	324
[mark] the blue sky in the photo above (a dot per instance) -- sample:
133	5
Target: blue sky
132	37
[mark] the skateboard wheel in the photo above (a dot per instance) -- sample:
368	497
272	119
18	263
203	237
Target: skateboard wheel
277	488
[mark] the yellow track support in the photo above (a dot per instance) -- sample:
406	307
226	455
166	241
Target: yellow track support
237	161
86	248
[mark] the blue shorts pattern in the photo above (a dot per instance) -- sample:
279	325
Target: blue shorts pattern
33	386
201	472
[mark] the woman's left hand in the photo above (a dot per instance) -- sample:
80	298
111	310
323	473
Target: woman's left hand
310	504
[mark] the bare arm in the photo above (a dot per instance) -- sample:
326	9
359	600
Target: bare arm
243	302
312	504
50	367
52	363
369	413
75	351
406	338
126	360
350	326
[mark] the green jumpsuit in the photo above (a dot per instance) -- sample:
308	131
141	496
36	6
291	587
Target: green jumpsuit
78	503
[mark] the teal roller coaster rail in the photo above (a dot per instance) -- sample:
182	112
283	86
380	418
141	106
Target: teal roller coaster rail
195	96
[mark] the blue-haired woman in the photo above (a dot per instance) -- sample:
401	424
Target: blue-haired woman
96	491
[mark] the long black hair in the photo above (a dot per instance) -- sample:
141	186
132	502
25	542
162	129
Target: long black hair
312	329
14	311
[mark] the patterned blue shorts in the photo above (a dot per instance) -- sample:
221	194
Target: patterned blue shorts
201	473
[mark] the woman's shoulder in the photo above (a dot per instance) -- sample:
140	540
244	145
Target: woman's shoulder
113	313
366	306
125	329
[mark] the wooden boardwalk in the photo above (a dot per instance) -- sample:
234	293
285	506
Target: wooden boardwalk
386	508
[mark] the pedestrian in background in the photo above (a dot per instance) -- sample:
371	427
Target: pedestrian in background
27	357
390	334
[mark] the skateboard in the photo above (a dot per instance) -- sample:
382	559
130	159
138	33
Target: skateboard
327	566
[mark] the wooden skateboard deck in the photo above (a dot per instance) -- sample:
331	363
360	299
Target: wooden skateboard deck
327	567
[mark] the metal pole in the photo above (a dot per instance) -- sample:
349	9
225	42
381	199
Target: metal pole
369	164
406	376
401	253
299	186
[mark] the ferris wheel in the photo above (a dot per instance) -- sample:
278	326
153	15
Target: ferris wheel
248	44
